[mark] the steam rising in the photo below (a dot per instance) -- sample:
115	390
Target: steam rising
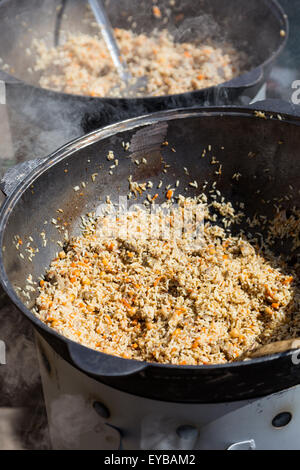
73	421
71	418
157	432
20	379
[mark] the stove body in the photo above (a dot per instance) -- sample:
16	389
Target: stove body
85	414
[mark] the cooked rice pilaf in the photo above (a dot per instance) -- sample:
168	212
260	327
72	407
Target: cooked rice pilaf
83	66
169	298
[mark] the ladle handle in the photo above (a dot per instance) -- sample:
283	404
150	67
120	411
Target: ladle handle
9	79
109	38
273	348
277	107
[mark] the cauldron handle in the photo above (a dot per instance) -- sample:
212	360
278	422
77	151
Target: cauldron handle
277	107
16	174
249	79
102	365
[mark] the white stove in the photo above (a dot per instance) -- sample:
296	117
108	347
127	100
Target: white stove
85	414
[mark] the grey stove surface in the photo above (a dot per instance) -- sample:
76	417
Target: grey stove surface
22	412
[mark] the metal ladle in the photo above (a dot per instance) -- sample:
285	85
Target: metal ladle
132	86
